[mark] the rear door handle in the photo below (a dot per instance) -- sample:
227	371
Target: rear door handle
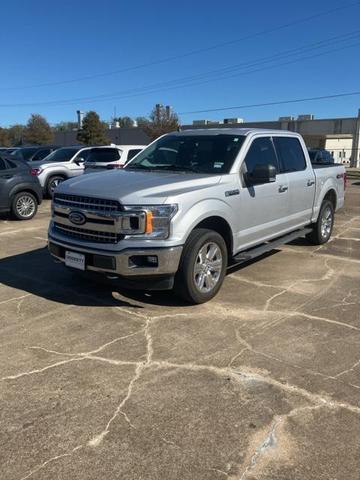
310	183
283	188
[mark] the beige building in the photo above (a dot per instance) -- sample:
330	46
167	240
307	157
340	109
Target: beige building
341	136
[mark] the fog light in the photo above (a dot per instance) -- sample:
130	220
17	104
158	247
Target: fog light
153	259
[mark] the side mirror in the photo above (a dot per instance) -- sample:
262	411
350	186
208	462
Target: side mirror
79	160
262	174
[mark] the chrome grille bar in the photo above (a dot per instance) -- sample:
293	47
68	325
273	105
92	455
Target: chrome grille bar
84	234
87	203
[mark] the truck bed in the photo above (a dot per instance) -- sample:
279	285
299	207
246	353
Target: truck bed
330	176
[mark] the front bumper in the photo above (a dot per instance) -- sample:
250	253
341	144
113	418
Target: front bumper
130	263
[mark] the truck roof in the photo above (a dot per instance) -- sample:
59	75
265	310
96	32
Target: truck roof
233	131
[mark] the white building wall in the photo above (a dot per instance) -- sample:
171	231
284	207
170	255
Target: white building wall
340	149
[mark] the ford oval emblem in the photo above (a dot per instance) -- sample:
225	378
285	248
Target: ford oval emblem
77	218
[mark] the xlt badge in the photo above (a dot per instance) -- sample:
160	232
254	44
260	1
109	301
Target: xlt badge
230	193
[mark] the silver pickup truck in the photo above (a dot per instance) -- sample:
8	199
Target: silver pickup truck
192	204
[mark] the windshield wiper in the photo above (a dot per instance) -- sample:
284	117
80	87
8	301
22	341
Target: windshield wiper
138	166
178	168
174	168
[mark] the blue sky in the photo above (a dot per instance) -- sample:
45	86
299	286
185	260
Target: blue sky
48	42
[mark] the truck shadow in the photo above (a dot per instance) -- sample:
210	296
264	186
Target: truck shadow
35	272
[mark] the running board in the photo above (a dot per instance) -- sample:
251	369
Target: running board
268	246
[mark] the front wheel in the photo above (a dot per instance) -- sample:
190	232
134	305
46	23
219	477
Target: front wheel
24	206
322	229
202	267
52	183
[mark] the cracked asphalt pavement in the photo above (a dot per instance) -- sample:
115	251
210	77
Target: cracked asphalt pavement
261	383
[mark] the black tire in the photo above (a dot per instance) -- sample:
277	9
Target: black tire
322	229
24	206
187	281
52	183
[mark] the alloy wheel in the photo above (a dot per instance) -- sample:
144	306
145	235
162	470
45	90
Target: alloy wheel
207	268
326	222
25	206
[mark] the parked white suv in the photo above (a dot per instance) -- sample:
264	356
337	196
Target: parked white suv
68	162
107	158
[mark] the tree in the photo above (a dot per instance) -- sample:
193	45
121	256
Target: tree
4	137
65	126
93	130
141	121
162	120
38	131
16	134
125	122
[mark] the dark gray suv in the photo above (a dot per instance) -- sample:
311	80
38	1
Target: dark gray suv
20	192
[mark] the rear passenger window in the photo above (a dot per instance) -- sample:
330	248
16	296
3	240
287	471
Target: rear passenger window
103	155
261	152
290	154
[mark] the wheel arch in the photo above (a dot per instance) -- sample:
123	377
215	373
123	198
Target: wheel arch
332	196
50	175
221	226
24	189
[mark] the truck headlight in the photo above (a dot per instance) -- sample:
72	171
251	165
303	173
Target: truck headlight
155	219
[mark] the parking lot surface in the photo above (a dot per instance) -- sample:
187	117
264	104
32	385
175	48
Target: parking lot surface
263	382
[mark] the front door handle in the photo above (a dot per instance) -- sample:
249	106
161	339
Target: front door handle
283	188
310	183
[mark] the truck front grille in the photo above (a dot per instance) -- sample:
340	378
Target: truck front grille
89	235
90	204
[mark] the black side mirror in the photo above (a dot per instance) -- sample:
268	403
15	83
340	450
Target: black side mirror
79	161
262	174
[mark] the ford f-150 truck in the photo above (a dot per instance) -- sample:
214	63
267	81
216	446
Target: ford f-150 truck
192	204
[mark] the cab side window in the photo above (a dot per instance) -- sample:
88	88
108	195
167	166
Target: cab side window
261	152
290	154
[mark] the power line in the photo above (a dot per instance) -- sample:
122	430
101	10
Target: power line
173	84
267	104
187	54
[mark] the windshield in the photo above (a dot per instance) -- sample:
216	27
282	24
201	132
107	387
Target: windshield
62	155
212	154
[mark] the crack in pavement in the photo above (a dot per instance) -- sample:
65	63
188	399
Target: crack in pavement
273	437
96	441
21	297
52	459
235	374
351	369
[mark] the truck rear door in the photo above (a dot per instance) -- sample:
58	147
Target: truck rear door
301	179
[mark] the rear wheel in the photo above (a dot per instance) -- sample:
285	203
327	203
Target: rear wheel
322	229
52	183
202	267
24	206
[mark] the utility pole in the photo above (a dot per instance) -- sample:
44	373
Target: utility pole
355	160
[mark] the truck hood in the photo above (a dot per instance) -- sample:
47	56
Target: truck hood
130	187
